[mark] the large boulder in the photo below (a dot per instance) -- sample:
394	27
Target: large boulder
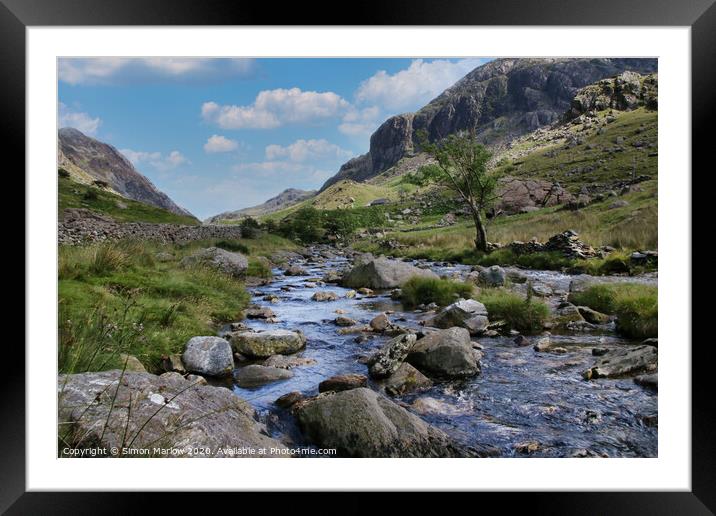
362	423
256	375
445	354
465	313
210	356
387	359
492	276
383	273
166	412
623	362
266	343
233	264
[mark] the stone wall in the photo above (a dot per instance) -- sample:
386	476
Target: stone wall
83	227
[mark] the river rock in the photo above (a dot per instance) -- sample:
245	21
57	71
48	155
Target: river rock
492	276
364	291
383	273
622	362
592	316
387	359
256	375
380	322
650	381
465	313
362	423
350	294
266	343
93	408
210	356
233	264
289	399
295	270
344	321
343	382
406	379
171	363
331	276
324	295
445	354
287	362
132	363
543	344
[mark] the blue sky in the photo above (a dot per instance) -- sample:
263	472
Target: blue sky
224	134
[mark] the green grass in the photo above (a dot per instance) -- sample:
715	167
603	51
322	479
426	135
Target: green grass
526	315
635	305
417	291
76	195
118	298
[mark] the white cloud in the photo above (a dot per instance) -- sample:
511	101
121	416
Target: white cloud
123	70
67	117
218	143
274	108
157	160
302	150
414	86
360	121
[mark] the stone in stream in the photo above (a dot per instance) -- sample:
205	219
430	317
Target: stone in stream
256	375
259	312
210	356
93	408
542	290
492	276
363	291
592	316
387	359
324	295
295	270
406	379
289	399
343	382
266	343
543	344
331	277
382	273
287	362
196	379
624	361
344	321
465	313
650	381
350	294
362	423
233	264
445	354
380	322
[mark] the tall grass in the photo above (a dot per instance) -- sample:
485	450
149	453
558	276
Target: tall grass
417	291
635	305
524	315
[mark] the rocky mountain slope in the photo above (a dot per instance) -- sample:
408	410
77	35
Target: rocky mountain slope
90	161
499	101
285	199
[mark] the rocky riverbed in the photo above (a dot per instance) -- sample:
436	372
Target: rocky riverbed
320	365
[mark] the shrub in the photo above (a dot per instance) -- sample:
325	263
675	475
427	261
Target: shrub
525	315
259	268
90	195
63	173
250	228
419	290
635	305
232	245
305	224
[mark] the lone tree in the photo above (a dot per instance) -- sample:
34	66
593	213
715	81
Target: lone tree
461	165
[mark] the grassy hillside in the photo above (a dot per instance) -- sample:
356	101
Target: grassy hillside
75	195
125	297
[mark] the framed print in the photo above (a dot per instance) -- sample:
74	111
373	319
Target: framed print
417	253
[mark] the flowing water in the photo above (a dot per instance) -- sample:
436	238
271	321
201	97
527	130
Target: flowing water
520	396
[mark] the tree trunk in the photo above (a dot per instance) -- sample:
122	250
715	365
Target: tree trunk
480	236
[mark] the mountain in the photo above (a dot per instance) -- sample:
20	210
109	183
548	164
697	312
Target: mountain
285	199
90	161
499	101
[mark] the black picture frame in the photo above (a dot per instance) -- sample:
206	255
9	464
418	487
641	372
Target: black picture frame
700	15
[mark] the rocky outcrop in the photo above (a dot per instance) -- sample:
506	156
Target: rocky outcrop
566	243
142	411
81	226
228	262
445	354
266	343
497	101
285	199
465	313
208	355
383	273
522	195
88	160
628	90
362	423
